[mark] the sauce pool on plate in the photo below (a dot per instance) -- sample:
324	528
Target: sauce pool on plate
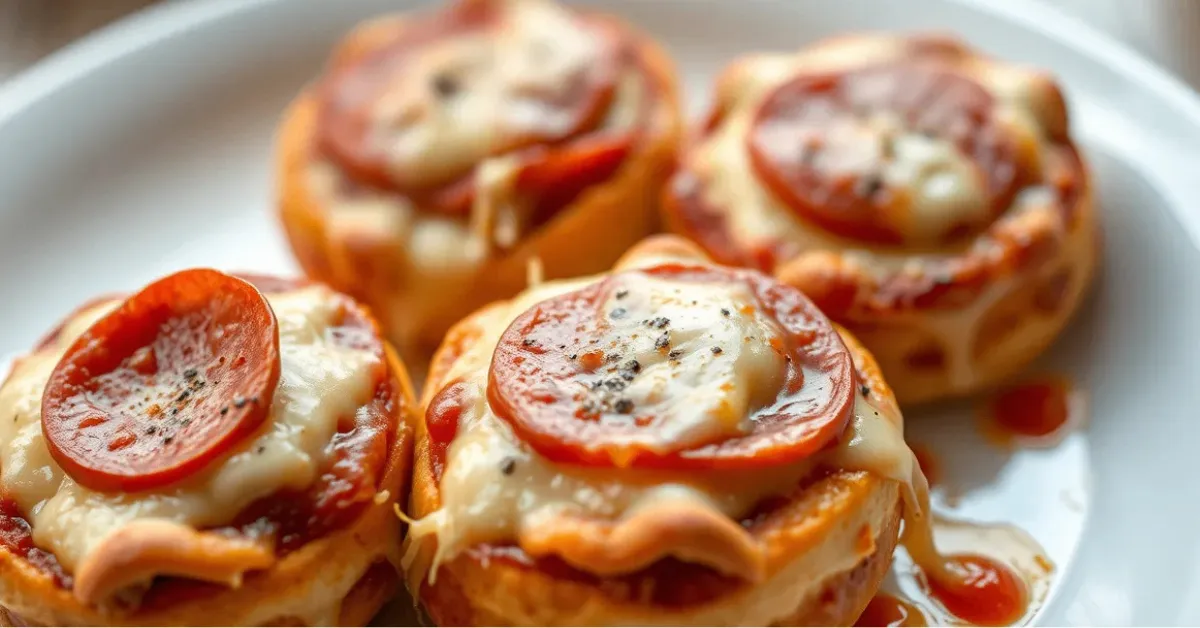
888	610
1034	411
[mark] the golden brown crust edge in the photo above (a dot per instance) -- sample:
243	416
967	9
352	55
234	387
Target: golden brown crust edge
334	579
585	237
471	590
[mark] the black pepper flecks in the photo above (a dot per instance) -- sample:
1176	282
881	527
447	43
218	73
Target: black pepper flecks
621	294
663	341
659	323
528	342
191	373
629	370
869	185
725	312
717	350
675	354
167	440
239	401
623	406
444	85
261	448
508	465
150	431
865	390
224	410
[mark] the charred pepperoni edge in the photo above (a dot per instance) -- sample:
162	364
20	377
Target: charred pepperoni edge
266	515
948	283
455	198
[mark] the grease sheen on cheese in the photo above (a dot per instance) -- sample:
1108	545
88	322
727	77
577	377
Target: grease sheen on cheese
320	381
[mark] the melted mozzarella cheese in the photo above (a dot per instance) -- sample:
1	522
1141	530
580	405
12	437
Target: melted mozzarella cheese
494	488
942	187
704	355
320	381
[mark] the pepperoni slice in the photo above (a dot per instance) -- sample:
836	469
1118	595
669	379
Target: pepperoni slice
535	114
792	144
548	358
166	383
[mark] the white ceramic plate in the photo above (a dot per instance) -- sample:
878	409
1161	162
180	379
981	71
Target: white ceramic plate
146	148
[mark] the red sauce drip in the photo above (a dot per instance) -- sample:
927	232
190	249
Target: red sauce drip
980	591
888	610
441	421
17	537
1031	409
928	463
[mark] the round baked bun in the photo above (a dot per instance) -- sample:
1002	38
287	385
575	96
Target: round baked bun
440	153
925	196
212	450
671	443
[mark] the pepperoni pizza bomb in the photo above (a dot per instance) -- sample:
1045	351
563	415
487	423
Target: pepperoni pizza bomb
441	152
926	197
672	443
211	450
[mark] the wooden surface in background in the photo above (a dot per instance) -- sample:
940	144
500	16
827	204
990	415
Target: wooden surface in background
31	29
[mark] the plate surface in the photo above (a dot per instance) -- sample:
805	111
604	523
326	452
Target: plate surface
147	148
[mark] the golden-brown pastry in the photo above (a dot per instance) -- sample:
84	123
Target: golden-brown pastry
212	450
674	442
928	198
441	152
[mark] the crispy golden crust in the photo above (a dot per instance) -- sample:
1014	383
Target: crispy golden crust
585	237
828	543
344	577
943	321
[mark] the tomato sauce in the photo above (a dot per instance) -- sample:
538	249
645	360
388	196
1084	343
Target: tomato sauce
1038	409
16	536
928	463
980	591
888	610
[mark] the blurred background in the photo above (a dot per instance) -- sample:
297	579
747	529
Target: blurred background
1167	31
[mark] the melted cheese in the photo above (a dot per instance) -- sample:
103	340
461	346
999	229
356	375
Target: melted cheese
705	396
540	47
941	186
320	381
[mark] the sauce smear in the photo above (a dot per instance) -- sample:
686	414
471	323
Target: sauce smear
889	610
928	463
980	591
1036	409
